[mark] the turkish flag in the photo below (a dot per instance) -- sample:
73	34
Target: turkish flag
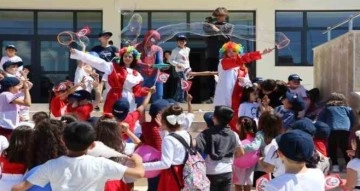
162	77
333	181
186	85
262	182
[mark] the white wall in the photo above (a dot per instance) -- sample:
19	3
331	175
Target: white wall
265	19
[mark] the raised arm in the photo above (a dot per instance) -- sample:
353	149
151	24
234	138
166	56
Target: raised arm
93	61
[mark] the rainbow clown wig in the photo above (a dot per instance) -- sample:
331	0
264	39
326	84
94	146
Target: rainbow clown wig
130	49
230	46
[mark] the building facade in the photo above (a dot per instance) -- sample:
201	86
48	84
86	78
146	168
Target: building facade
33	25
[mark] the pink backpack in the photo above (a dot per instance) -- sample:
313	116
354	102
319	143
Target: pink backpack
194	172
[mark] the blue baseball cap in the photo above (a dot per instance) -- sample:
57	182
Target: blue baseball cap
208	119
181	37
80	95
8	82
294	77
10	46
322	130
305	125
296	145
296	101
13	61
120	109
158	106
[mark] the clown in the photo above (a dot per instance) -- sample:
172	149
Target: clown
233	76
123	79
151	54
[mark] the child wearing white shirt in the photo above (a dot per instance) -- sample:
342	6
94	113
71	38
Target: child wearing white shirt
10	54
78	171
172	151
295	148
248	105
180	59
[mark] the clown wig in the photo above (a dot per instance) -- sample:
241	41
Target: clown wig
130	50
230	46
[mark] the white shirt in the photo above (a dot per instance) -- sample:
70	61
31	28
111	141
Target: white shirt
79	75
172	152
4	143
249	109
9	112
222	166
272	158
311	180
300	91
130	82
84	173
354	164
225	85
180	56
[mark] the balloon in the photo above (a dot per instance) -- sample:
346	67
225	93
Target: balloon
149	154
249	159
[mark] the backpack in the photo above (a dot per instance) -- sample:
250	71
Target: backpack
194	172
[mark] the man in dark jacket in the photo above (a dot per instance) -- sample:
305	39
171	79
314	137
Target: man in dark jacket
218	31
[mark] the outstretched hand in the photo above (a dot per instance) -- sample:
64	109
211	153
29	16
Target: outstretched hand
267	51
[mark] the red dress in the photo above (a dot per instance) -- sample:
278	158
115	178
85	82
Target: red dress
82	112
11	167
57	106
168	182
240	61
116	185
151	134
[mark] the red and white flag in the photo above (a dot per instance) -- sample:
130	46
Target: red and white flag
186	85
333	181
262	182
163	77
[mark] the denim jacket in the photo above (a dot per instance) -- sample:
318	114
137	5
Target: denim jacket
337	117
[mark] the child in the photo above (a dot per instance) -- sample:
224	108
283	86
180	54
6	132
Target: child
233	76
10	100
243	177
248	105
13	160
46	144
121	112
83	172
220	144
173	152
295	148
292	105
81	105
11	67
314	107
108	131
270	126
10	53
58	99
180	60
353	168
39	116
295	87
340	118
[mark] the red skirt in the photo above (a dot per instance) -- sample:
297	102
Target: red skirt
116	185
167	180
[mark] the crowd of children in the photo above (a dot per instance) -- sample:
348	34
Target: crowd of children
259	127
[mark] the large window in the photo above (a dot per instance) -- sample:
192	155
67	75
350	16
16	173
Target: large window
304	29
34	34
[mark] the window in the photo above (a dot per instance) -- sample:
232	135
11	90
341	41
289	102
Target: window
93	19
16	22
55	22
304	29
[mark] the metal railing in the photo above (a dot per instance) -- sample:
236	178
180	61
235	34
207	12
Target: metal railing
349	20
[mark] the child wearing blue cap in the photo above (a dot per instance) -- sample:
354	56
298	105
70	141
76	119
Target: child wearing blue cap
292	105
295	148
180	59
11	97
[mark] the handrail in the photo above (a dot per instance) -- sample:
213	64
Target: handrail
349	20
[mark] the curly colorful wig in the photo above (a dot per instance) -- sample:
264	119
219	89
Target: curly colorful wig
228	46
130	49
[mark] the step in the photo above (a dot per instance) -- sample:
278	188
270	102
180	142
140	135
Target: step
198	110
